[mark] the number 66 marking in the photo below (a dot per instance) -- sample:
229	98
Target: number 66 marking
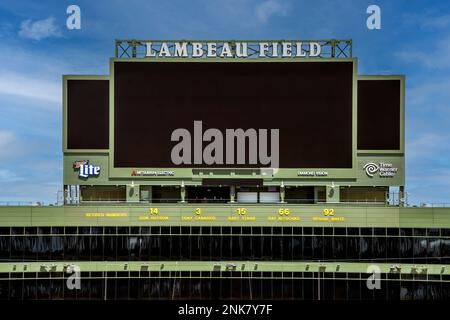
283	211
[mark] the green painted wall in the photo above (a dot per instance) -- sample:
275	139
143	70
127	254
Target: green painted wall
226	215
338	267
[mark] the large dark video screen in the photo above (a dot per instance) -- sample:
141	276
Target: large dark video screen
87	114
379	114
310	103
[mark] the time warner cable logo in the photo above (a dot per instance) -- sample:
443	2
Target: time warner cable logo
384	169
371	168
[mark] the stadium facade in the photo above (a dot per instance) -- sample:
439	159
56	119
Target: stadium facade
230	170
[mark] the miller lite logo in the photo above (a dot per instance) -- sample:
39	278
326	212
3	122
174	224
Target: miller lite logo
85	169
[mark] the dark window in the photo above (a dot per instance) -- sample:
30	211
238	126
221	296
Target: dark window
379	249
17	230
277	230
392	231
406	249
133	230
57	230
379	231
5	248
433	232
406	231
256	248
30	230
109	230
236	230
175	230
175	247
318	231
124	230
352	231
420	232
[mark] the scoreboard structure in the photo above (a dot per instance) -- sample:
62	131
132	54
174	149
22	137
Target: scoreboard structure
217	170
227	121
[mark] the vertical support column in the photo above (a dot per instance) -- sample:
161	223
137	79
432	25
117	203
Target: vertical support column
316	194
133	194
150	194
333	194
66	194
232	194
145	193
133	48
401	196
282	193
183	193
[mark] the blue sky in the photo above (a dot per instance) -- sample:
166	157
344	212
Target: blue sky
36	48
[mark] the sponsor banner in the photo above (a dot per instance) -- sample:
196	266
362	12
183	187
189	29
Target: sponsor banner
381	169
152	173
85	170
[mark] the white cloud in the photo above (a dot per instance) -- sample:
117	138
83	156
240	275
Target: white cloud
435	57
28	87
270	8
7	138
34	77
424	95
10	146
426	146
422	186
6	29
436	22
39	29
7	176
